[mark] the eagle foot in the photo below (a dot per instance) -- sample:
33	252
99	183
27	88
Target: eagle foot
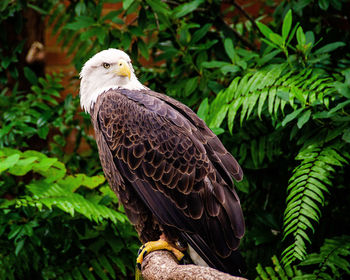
155	246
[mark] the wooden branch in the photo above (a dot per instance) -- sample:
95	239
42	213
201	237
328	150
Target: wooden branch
162	265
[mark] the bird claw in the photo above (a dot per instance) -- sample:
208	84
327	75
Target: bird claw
155	246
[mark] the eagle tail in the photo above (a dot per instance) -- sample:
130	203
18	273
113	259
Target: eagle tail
234	264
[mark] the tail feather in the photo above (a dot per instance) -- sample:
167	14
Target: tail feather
234	264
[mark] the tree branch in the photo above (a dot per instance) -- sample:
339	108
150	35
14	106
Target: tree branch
162	265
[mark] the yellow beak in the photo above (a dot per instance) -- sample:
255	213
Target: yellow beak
123	69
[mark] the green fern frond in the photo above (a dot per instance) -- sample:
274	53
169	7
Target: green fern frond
305	199
49	195
269	89
262	149
331	263
56	188
333	260
277	271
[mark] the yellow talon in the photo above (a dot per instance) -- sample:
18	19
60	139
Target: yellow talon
154	246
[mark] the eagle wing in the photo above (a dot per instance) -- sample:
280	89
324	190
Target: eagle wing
216	150
176	165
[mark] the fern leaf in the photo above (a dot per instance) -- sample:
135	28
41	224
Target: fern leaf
98	269
333	260
107	265
86	272
272	89
306	197
56	189
271	100
77	275
262	98
233	108
277	271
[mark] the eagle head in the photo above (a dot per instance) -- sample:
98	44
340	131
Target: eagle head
107	69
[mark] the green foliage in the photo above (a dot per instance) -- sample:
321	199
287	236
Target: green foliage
28	114
306	196
331	263
287	102
277	272
52	187
56	188
333	260
278	94
269	89
305	42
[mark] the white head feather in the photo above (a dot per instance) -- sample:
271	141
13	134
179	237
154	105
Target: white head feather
96	78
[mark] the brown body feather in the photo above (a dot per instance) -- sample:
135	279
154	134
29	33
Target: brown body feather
172	174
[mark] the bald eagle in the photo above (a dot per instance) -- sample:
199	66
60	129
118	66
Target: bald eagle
168	169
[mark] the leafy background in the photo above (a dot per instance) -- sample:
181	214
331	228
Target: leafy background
276	89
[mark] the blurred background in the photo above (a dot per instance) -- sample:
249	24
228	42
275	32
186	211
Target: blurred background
270	78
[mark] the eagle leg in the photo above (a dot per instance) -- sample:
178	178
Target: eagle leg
151	246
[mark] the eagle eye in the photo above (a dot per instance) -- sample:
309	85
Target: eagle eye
106	65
